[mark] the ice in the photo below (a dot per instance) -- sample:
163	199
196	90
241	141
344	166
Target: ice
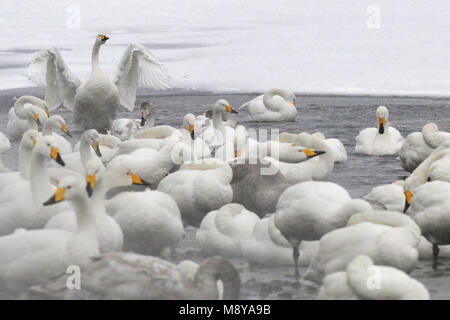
248	46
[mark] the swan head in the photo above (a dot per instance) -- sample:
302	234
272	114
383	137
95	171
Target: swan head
36	114
382	115
58	122
101	39
147	110
92	137
94	171
189	124
48	147
123	176
222	105
69	188
30	138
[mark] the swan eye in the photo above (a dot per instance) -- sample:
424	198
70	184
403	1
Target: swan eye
68	187
48	144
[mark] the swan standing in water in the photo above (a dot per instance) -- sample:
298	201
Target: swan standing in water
95	101
389	238
221	231
419	145
34	257
133	276
274	105
382	141
5	145
20	121
308	210
352	284
267	247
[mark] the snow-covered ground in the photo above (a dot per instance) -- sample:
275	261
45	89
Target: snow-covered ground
233	45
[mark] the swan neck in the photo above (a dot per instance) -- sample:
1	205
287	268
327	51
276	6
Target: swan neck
41	187
85	151
47	129
24	161
217	120
85	219
94	57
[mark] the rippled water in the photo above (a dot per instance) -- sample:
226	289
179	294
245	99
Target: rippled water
336	117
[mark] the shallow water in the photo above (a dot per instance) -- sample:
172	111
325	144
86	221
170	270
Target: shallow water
336	117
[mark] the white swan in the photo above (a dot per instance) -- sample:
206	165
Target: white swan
429	208
221	231
24	207
419	145
154	165
54	123
199	188
318	168
274	105
217	134
384	140
99	182
34	257
362	280
5	145
337	148
308	210
389	238
20	118
95	101
150	221
267	247
76	161
133	276
27	143
124	128
387	197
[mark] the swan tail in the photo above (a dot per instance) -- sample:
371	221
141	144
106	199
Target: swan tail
48	69
138	67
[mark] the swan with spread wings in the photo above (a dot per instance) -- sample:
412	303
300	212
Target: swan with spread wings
95	101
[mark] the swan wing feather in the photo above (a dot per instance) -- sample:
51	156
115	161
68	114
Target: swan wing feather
49	70
139	67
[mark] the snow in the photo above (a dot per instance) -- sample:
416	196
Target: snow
306	46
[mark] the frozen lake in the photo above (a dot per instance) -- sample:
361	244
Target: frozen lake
336	117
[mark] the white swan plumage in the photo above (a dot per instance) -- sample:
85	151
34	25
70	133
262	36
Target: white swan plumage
274	105
34	257
388	237
384	140
199	188
221	231
95	101
150	221
308	210
355	283
5	146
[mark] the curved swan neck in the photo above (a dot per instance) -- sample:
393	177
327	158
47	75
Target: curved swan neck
268	98
24	161
94	57
217	268
41	187
420	175
85	151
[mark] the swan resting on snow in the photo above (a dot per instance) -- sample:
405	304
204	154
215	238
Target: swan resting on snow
274	105
95	101
384	140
